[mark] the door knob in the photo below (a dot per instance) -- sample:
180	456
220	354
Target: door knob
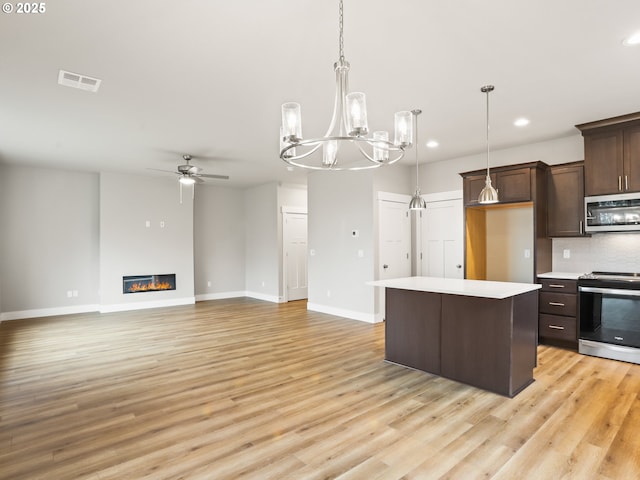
458	266
385	266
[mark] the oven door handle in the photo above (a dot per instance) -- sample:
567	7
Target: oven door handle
610	291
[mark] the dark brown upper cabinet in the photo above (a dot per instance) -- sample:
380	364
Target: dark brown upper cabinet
565	200
515	183
612	155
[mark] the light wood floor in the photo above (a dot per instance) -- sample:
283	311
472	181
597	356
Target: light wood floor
241	388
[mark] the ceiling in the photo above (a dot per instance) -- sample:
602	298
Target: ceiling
208	77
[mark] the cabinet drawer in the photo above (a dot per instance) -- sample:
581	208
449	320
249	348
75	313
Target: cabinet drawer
558	303
559	286
557	327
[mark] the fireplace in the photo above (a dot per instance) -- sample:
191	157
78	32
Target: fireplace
148	283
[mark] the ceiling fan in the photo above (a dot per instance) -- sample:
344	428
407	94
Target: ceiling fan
190	174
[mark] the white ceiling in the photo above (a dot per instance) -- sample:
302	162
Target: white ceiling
208	77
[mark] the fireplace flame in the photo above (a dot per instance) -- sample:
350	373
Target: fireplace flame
149	286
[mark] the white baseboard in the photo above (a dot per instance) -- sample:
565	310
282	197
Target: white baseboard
266	298
219	296
122	307
48	312
339	312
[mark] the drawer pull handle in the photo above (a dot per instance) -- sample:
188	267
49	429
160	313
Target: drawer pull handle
556	327
556	304
555	285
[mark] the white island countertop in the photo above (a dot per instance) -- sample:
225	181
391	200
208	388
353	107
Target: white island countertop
454	286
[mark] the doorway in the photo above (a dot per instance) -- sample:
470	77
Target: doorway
394	241
440	232
294	239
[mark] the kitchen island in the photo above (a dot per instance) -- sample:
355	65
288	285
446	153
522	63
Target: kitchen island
476	332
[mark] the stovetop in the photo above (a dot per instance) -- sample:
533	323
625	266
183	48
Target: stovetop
611	279
623	276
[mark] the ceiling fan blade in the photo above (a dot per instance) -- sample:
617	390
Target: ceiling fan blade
197	179
221	177
159	170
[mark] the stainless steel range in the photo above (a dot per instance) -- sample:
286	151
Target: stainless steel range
609	312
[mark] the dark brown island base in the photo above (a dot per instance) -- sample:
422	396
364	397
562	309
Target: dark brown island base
477	332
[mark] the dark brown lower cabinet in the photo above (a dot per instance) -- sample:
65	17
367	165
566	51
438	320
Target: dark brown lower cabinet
559	313
484	342
413	337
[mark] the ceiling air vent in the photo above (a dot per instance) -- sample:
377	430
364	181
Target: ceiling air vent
75	80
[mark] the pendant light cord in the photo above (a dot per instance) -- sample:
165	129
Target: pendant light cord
415	114
488	131
487	89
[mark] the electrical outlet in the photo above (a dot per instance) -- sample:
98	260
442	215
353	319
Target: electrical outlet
208	283
75	293
69	294
566	253
328	293
527	253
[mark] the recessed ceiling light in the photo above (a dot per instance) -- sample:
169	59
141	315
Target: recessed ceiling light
521	122
632	40
432	144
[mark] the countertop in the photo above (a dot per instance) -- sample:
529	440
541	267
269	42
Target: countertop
561	275
453	286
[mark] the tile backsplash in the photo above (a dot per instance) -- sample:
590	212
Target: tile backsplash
602	252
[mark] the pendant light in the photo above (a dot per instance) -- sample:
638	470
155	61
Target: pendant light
348	127
417	202
488	193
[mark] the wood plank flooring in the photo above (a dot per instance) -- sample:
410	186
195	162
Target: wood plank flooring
234	389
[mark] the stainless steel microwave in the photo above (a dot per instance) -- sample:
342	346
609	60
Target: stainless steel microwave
612	213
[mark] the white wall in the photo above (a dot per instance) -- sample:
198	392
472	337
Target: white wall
445	175
340	202
262	263
509	234
49	230
129	247
219	242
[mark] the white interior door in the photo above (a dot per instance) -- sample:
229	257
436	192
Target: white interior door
441	233
295	255
394	253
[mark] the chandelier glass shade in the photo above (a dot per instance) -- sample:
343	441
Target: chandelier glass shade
488	193
348	128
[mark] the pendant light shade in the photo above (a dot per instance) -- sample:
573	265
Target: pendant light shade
417	202
488	193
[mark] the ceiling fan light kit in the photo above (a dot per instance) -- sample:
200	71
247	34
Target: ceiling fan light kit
190	174
348	126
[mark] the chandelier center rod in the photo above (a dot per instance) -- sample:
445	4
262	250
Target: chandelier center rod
341	30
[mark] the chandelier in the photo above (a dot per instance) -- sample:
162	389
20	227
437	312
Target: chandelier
348	126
